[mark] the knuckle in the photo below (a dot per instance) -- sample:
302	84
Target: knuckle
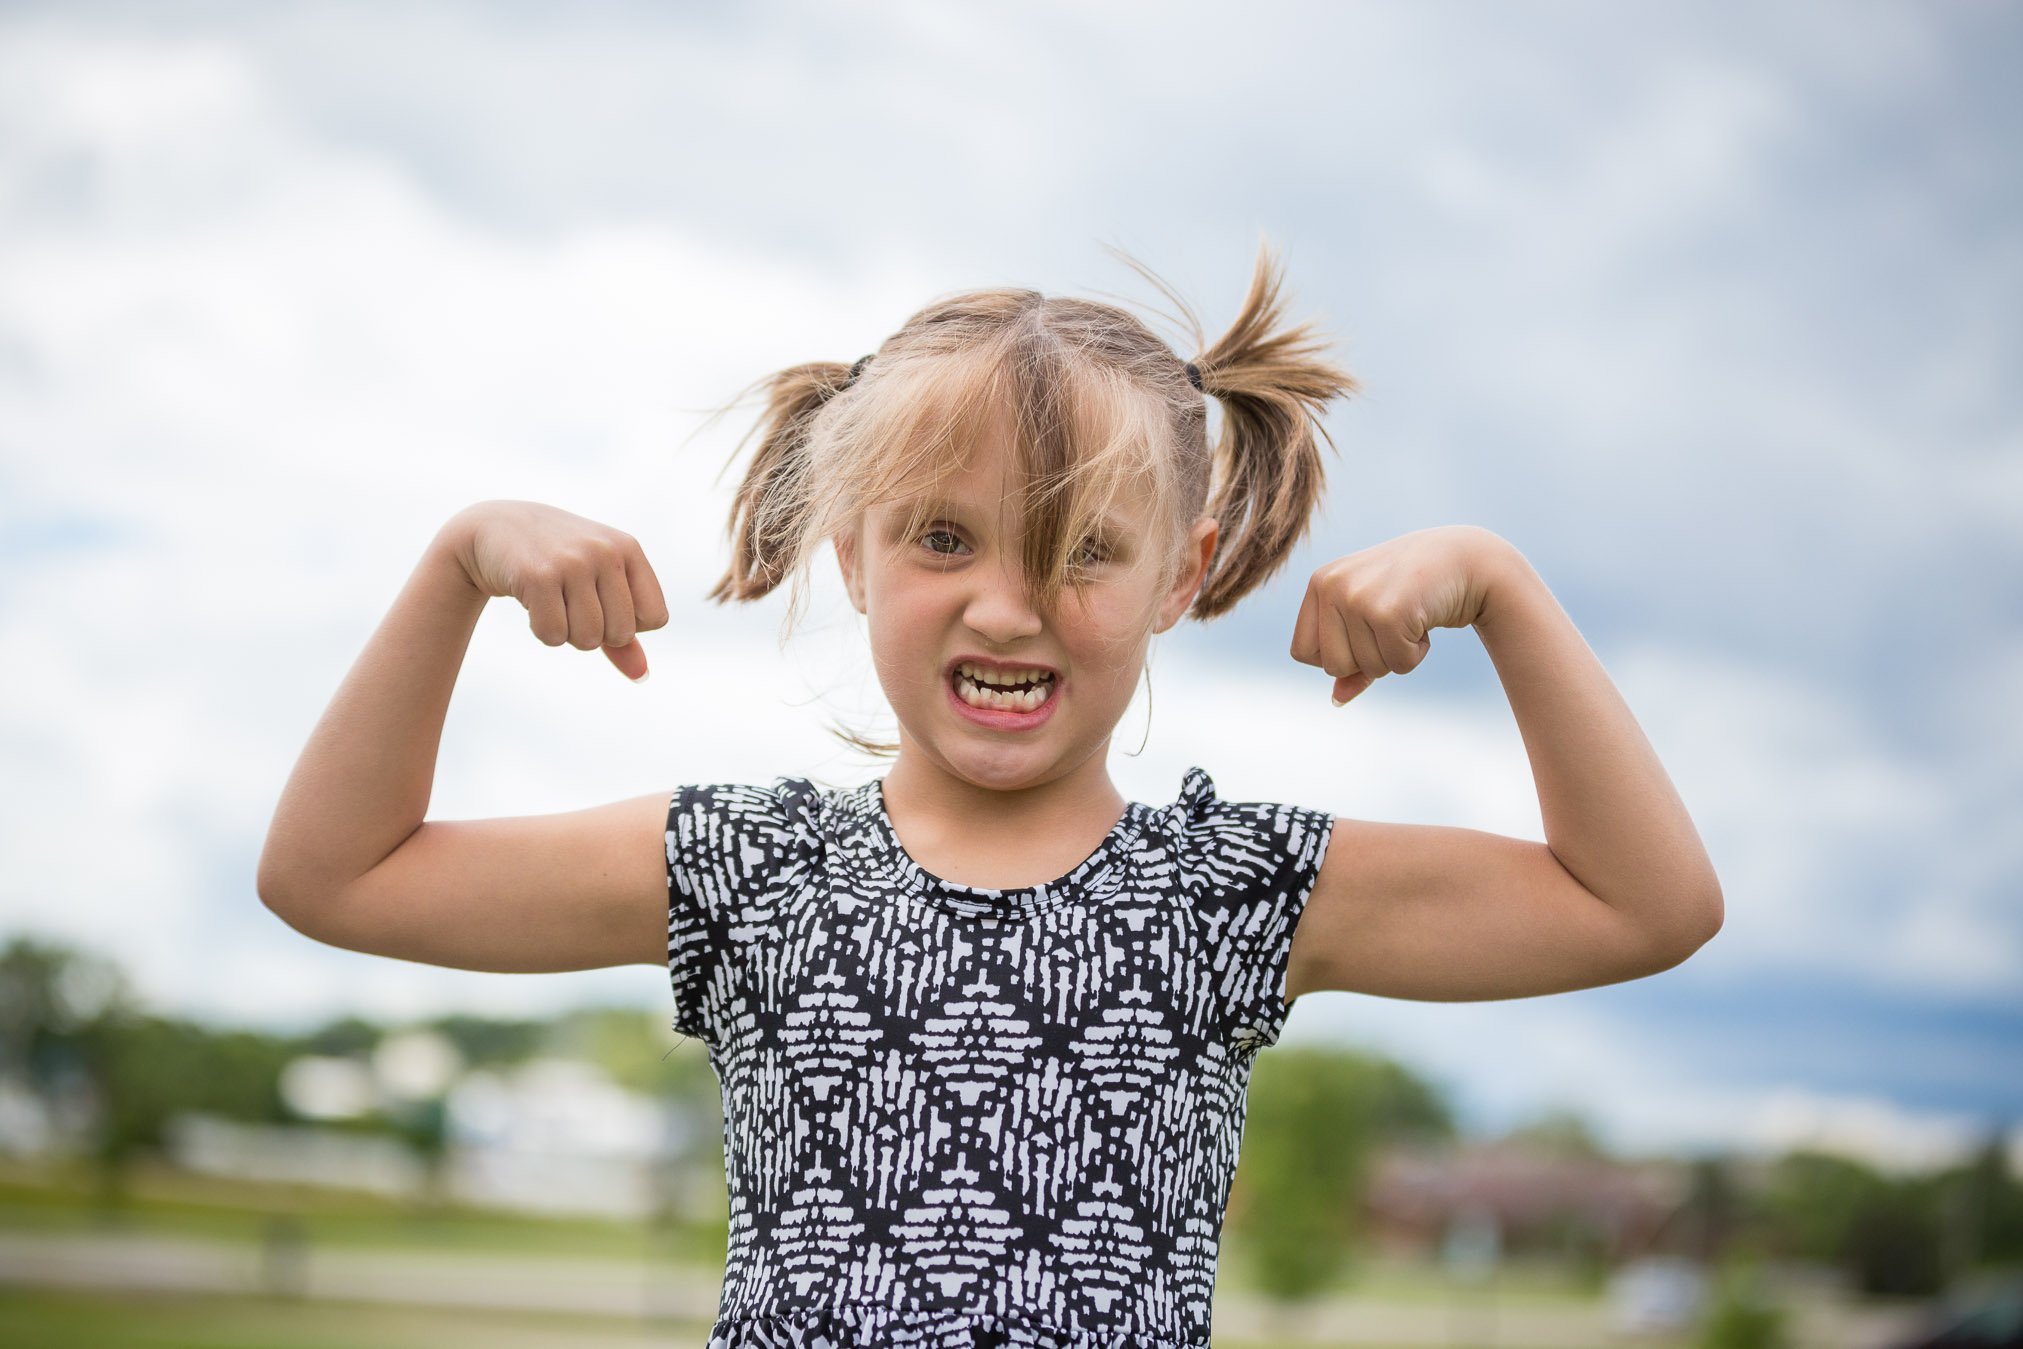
573	560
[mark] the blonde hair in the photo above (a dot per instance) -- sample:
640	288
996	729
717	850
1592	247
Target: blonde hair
1099	408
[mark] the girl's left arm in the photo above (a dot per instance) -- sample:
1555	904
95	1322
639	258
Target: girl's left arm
1611	814
1622	888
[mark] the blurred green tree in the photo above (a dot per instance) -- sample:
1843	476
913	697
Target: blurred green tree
48	993
1981	1208
486	1042
1810	1203
1314	1118
1895	1242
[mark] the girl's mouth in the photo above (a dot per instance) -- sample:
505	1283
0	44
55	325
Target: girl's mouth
1014	707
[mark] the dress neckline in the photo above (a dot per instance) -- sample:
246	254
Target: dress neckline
975	900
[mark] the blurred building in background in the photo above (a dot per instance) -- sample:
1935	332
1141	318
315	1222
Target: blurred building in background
552	1134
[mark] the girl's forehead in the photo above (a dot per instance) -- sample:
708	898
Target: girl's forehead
970	461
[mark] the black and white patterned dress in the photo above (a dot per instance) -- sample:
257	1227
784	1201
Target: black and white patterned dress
957	1116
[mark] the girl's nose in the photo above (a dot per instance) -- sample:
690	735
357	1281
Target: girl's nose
998	609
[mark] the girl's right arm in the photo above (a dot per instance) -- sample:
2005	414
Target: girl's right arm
349	858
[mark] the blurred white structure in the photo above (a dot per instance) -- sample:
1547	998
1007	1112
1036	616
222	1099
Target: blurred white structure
553	1135
25	1125
318	1086
415	1065
306	1154
55	1122
559	1135
1658	1294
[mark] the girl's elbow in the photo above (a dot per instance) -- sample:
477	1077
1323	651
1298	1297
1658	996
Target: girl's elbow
1710	915
1713	912
1684	931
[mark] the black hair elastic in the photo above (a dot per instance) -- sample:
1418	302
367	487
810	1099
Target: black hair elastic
856	369
1194	376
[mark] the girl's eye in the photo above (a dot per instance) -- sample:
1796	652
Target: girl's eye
1092	553
933	534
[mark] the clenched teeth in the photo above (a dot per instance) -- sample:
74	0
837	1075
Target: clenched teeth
1003	700
976	674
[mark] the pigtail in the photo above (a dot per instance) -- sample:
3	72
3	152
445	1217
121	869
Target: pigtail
772	503
1273	386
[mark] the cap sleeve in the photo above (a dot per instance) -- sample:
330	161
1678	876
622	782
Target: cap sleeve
1250	867
729	845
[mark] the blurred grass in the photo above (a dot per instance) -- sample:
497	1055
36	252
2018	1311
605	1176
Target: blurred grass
165	1201
170	1202
97	1320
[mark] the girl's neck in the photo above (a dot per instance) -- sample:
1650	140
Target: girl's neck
1001	840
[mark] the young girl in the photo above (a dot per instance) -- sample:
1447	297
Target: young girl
984	1028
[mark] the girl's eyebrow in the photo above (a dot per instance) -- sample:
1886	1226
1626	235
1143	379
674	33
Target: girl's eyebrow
1110	527
940	505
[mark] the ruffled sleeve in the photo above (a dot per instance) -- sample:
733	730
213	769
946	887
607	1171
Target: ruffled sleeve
1248	869
729	846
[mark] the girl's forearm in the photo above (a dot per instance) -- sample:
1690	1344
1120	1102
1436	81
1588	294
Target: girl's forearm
1610	812
362	784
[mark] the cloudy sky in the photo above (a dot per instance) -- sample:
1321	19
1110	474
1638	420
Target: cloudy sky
1711	311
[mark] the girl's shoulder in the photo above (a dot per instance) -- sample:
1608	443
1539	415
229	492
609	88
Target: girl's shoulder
743	821
792	816
1244	847
1199	810
782	802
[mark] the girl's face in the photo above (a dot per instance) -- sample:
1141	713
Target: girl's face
953	592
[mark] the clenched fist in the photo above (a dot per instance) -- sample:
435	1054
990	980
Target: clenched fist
1369	614
582	583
